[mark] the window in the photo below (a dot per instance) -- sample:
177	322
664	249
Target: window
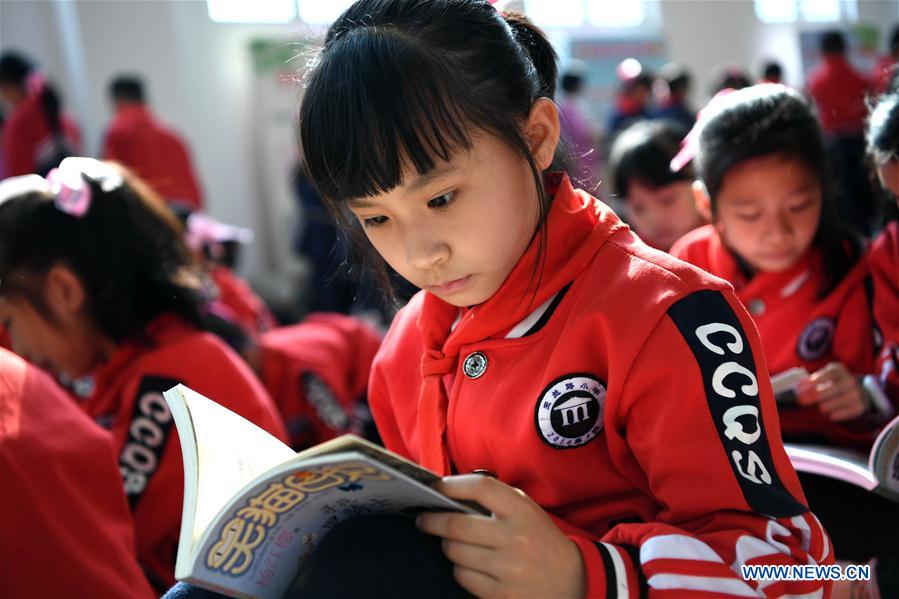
596	13
546	13
775	11
556	13
617	13
260	11
820	11
318	12
806	11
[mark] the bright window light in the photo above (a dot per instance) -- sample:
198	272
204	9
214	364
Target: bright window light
259	11
556	13
820	11
322	12
775	11
615	13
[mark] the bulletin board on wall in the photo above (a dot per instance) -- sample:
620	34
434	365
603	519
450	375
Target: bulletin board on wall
278	68
602	55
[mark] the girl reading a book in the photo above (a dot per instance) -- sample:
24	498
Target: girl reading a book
765	184
617	398
95	287
883	257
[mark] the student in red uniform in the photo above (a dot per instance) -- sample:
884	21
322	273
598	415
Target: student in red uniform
658	199
216	246
153	151
601	382
96	289
775	237
317	373
65	521
883	257
37	135
839	92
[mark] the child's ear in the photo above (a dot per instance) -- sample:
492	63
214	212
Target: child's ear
702	200
64	292
542	131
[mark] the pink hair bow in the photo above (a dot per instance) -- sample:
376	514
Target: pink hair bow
71	193
689	147
203	230
35	83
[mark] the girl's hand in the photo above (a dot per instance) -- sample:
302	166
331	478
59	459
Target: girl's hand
519	552
836	393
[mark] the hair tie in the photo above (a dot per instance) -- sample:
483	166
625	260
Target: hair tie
35	83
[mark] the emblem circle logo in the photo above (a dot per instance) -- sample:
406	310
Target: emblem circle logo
570	410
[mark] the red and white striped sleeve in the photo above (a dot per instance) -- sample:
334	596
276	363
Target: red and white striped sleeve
697	424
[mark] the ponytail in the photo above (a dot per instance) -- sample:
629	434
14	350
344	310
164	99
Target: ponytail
541	53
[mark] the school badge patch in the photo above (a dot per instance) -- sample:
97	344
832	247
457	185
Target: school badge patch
816	339
570	410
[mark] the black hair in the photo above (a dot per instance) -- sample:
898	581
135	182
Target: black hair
894	41
643	153
882	136
127	250
833	42
402	84
643	80
883	128
14	70
730	76
772	71
127	88
766	120
676	77
572	83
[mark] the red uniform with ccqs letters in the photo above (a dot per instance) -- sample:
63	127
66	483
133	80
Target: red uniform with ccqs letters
797	327
628	397
125	396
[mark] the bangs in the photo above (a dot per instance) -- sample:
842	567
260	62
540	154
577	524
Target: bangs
363	129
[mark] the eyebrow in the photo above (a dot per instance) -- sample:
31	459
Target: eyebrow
417	184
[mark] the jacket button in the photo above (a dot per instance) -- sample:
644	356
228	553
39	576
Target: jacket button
475	365
756	307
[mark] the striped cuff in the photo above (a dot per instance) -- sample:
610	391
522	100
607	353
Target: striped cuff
610	570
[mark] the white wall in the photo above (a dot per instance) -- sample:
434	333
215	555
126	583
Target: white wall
200	75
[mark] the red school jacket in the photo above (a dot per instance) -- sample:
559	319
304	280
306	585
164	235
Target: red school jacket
798	328
64	518
634	407
883	259
26	137
124	395
317	373
155	153
839	92
247	309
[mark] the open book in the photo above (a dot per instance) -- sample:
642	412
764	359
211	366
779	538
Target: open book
878	471
253	508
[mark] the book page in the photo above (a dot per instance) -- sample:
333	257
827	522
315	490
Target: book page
884	459
786	384
257	544
834	462
227	452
